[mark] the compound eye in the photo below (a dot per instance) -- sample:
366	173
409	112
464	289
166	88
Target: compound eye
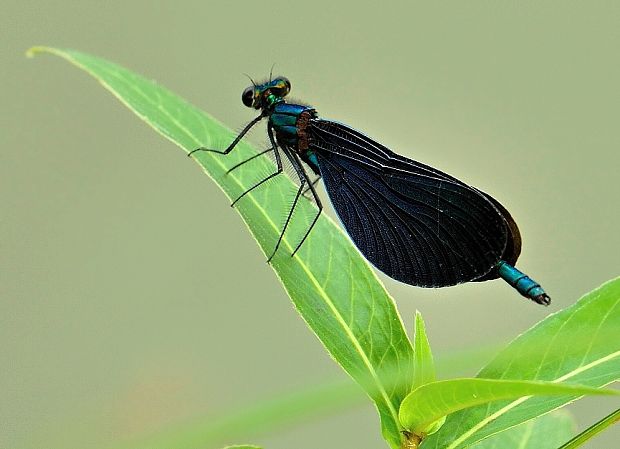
284	84
248	97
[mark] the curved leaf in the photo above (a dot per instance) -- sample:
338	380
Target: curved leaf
579	345
256	418
331	285
432	401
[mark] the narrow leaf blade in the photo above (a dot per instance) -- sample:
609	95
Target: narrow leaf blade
424	365
243	446
330	284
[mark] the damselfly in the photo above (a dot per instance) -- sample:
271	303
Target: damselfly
415	223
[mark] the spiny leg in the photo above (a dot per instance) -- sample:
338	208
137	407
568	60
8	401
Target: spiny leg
303	180
311	185
274	147
299	168
234	142
302	183
234	167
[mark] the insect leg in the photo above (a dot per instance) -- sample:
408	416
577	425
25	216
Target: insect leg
234	167
312	184
302	181
234	142
274	147
299	168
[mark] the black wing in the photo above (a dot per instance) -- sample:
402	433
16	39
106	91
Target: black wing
413	222
513	245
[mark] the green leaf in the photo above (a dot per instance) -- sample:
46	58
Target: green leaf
330	284
579	345
428	403
546	432
243	446
424	365
258	417
593	430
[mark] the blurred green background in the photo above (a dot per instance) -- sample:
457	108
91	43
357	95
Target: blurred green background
132	297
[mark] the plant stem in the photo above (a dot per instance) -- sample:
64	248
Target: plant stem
593	430
411	440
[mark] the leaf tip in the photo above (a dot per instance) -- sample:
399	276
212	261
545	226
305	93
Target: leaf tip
418	318
33	51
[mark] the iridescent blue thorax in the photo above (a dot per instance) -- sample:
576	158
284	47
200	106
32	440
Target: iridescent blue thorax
289	122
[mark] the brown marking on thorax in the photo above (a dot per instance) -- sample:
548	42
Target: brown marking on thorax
302	124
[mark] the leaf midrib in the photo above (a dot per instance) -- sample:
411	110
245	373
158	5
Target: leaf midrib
258	206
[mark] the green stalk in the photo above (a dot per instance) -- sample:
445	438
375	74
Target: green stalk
593	430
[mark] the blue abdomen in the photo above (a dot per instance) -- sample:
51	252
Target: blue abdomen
524	284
